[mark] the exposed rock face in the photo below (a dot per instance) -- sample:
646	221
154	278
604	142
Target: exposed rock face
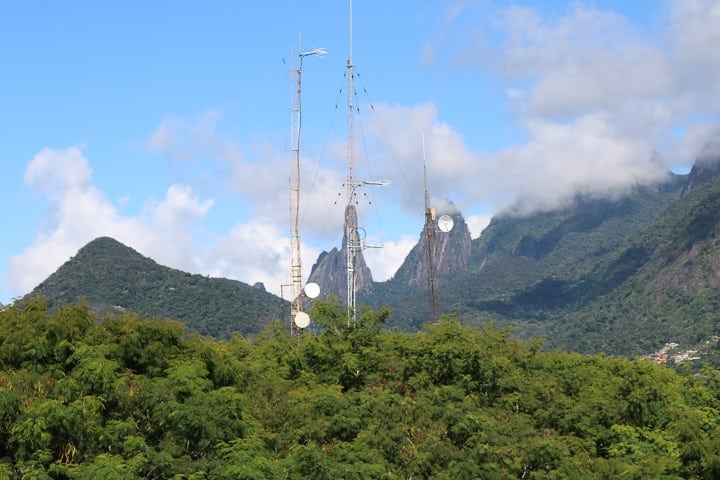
330	269
451	253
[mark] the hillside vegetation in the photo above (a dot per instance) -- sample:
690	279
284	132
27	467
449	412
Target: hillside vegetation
530	271
670	272
135	398
620	275
112	277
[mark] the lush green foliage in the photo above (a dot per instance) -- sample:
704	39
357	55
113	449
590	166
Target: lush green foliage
113	277
523	267
133	398
621	276
660	286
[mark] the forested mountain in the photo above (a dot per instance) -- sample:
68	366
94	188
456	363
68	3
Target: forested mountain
670	273
131	398
112	277
517	263
621	275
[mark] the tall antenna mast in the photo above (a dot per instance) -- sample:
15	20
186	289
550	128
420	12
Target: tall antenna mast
354	244
298	319
350	229
444	224
350	154
430	241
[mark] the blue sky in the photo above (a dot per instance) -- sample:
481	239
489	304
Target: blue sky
166	125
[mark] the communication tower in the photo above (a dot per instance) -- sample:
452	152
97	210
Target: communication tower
444	224
298	318
354	242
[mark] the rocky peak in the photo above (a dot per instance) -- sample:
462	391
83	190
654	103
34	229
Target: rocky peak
451	252
330	269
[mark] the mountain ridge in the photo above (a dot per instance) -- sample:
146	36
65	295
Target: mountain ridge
111	276
620	275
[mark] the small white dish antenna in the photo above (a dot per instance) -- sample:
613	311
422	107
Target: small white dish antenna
302	319
312	290
445	223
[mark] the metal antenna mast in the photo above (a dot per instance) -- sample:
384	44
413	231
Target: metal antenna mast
350	229
296	263
430	241
354	244
350	154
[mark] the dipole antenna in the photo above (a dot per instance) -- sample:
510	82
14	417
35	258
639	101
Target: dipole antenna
354	243
298	319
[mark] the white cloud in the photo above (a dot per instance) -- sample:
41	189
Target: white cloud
267	184
182	139
585	60
385	261
586	155
79	212
254	250
693	36
164	230
259	174
695	30
180	207
54	172
692	142
477	223
596	95
710	151
398	138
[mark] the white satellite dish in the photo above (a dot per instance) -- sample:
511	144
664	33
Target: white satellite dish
312	290
445	223
302	319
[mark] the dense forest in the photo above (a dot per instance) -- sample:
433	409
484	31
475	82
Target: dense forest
112	277
129	397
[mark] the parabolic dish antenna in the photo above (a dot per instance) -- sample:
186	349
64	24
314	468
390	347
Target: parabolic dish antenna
445	223
312	290
302	319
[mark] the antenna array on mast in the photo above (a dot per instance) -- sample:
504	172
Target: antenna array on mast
298	319
354	244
